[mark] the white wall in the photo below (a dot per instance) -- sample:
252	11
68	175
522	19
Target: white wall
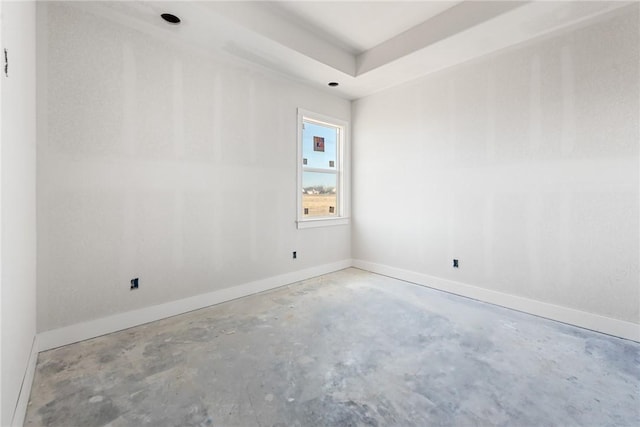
18	200
523	165
159	162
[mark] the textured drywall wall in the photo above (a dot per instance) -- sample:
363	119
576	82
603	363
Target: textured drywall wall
522	165
159	162
18	189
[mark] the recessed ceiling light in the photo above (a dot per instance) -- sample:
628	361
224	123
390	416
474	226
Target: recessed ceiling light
171	19
333	84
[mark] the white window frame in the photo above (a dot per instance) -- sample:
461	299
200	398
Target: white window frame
342	172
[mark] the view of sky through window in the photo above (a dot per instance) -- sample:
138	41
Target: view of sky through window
316	158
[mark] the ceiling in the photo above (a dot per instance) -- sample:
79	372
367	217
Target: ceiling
366	46
358	25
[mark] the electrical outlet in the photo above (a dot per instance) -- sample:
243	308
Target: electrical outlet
134	283
455	263
295	255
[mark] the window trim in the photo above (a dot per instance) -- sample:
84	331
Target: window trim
342	172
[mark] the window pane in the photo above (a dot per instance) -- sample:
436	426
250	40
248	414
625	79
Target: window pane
319	144
319	194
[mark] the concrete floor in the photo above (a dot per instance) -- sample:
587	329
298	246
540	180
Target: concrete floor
345	349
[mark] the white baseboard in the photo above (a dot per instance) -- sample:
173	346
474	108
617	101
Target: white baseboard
25	390
106	325
594	322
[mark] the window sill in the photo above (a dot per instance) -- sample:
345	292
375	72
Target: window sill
322	222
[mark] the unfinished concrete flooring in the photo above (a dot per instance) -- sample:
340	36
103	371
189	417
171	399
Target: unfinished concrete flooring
345	349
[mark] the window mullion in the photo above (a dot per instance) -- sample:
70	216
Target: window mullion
319	170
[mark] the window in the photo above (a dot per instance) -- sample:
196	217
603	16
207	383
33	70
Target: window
322	177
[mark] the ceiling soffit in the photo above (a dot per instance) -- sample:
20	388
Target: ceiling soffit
270	35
